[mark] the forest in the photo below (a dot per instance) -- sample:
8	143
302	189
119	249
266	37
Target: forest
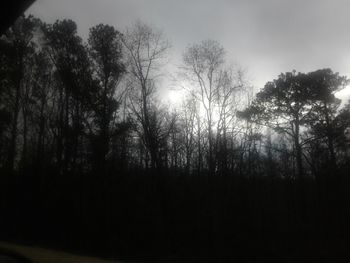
92	160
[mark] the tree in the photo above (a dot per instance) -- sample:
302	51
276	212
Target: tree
203	63
323	85
341	123
75	88
17	50
146	49
43	96
283	105
214	86
106	53
188	126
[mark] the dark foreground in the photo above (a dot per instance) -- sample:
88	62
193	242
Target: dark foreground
11	256
174	218
14	253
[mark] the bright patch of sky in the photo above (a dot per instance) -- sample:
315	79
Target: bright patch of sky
265	37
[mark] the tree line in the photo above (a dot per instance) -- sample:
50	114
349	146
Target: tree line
91	160
79	106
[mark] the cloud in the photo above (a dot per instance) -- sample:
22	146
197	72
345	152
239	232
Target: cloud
267	37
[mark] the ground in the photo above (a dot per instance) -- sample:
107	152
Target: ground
41	255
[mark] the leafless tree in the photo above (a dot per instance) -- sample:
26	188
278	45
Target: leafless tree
146	51
188	127
214	85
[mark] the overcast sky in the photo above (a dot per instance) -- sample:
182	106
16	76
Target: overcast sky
266	37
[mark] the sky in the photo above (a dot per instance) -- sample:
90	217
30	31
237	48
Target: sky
265	37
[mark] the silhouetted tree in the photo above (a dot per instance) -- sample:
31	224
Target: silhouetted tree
215	86
146	51
71	61
43	109
188	128
106	53
17	50
283	105
323	85
203	64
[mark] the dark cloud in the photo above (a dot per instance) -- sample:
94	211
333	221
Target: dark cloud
265	36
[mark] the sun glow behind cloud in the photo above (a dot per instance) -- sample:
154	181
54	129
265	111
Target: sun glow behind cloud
344	95
268	37
175	97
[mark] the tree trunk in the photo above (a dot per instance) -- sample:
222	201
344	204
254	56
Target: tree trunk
14	132
40	143
25	140
199	168
60	133
298	149
330	138
16	109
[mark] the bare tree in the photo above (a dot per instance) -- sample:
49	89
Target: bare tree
146	49
188	127
203	63
214	85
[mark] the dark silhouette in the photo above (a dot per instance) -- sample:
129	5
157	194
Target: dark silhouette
10	11
92	162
